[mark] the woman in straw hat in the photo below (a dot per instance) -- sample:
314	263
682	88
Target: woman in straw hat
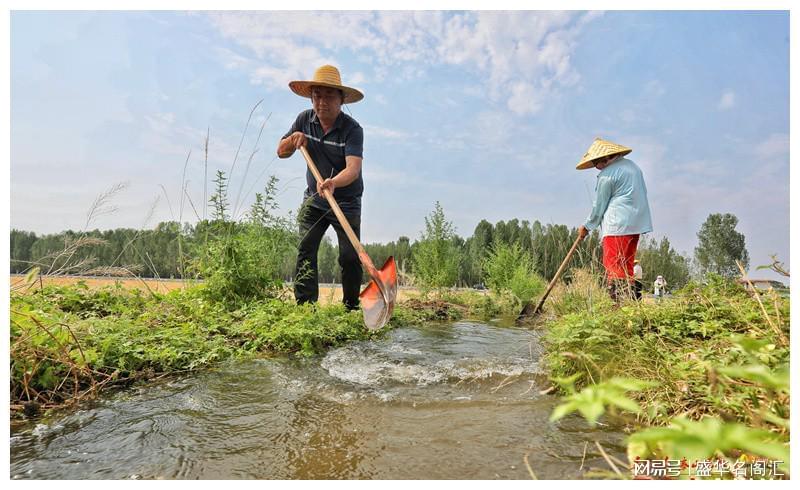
335	142
620	208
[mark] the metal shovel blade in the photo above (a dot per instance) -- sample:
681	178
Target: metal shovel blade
377	299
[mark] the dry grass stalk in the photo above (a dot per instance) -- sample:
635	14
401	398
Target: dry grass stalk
583	459
608	460
774	327
86	382
528	466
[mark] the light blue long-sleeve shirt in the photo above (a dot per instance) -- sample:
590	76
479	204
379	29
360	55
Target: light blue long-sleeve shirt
620	204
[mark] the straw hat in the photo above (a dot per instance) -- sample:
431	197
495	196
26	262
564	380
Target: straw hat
325	76
600	148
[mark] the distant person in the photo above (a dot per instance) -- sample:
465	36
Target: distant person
659	287
637	278
620	208
335	142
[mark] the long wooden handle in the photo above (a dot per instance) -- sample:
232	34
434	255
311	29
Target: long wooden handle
362	254
559	271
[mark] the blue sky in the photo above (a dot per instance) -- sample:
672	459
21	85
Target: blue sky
486	112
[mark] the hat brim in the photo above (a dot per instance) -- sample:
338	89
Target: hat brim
591	162
303	89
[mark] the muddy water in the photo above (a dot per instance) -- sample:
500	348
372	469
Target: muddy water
458	401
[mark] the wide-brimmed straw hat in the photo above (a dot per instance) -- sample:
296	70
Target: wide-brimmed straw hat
326	76
601	148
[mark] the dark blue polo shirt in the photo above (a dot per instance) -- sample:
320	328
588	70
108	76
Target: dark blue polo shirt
345	138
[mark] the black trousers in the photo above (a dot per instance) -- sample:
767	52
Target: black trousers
313	224
621	290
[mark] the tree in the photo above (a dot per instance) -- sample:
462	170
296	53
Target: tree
21	243
526	237
500	232
550	246
436	257
327	260
660	259
721	246
477	247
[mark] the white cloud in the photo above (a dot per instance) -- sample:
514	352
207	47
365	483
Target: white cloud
160	122
727	101
524	99
386	132
356	79
776	145
492	131
521	57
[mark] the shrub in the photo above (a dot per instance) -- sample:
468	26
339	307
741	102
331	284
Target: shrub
244	261
436	257
510	268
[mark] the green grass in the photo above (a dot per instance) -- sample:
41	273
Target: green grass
70	342
709	358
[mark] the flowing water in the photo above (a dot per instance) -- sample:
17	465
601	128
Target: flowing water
456	401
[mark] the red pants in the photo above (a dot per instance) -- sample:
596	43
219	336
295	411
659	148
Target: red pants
618	255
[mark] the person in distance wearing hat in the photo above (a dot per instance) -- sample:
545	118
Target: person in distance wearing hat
620	208
335	142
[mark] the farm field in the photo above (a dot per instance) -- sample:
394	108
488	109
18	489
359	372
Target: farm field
328	293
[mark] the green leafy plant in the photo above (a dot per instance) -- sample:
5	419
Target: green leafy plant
593	401
435	257
240	261
510	268
716	354
704	439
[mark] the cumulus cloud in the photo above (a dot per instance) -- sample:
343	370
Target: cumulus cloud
727	101
521	57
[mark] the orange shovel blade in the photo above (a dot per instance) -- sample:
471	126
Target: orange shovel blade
377	299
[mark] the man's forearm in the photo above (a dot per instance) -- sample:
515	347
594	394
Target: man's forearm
350	172
346	177
285	148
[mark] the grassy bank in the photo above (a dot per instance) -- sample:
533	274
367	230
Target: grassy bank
702	375
70	342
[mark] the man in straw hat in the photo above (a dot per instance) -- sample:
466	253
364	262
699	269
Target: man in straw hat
335	142
620	208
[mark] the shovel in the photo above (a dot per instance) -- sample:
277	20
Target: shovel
377	299
528	309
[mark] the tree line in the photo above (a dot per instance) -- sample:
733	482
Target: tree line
257	252
439	257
